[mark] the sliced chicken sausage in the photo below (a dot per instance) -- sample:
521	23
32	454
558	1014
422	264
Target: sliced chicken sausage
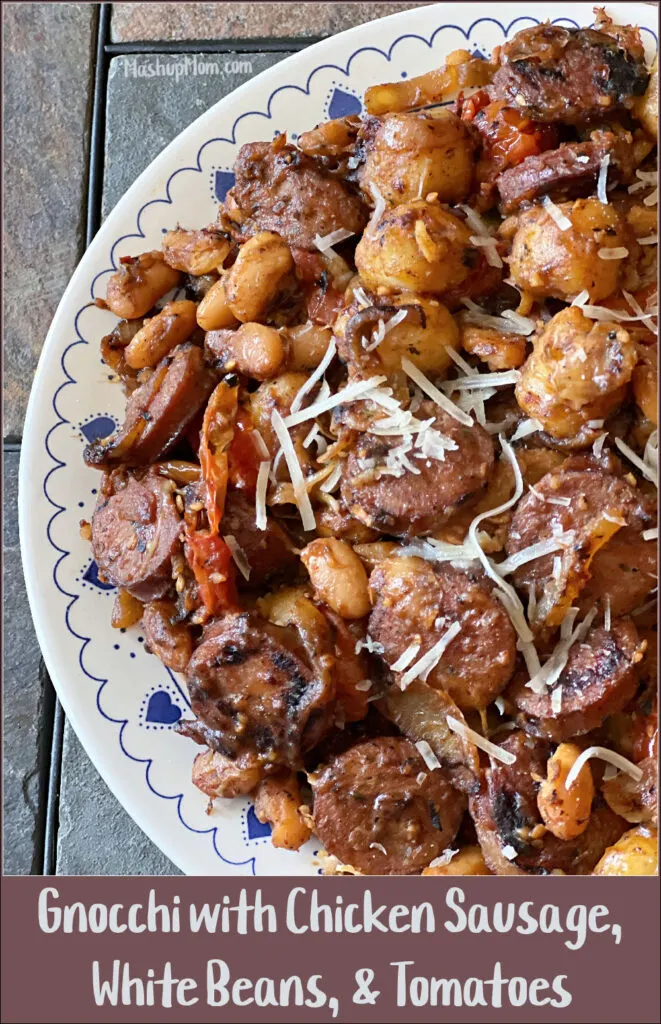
378	808
158	412
599	679
253	684
509	826
416	503
135	532
579	504
565	74
280	189
416	603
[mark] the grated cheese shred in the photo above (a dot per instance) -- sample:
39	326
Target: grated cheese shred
260	494
604	754
428	755
238	556
648	471
418	377
316	375
556	214
492	749
424	665
295	472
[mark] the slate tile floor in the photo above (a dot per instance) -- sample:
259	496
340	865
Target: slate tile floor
51	54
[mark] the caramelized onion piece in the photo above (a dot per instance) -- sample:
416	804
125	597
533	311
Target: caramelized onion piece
421	712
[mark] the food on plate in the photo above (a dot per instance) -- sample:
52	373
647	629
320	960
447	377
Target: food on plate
385	489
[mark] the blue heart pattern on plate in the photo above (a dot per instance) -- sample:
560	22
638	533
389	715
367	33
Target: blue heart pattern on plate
224	181
161	710
99	427
91	575
343	103
254	827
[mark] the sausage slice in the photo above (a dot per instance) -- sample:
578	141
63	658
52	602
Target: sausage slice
269	552
599	679
135	532
252	683
510	829
416	602
575	501
280	189
565	74
563	173
158	413
416	503
378	808
165	636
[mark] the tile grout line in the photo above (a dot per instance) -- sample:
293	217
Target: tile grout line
181	46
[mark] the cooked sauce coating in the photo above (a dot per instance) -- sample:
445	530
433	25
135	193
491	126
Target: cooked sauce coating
385	490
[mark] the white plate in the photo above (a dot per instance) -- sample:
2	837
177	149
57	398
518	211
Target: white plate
121	701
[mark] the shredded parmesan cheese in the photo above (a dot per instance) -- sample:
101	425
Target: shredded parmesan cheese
603	313
510	325
553	668
384	328
428	755
418	377
488	243
482	380
525	428
352	392
648	471
260	445
474	220
238	556
443	859
506	593
295	472
651	534
604	755
607	614
373	646
509	852
361	298
424	665
529	554
260	494
598	445
316	375
556	214
378	211
556	700
601	180
487	746
406	657
364	685
325	242
618	252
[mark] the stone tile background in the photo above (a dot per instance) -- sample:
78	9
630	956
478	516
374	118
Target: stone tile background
242	20
26	719
47	101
